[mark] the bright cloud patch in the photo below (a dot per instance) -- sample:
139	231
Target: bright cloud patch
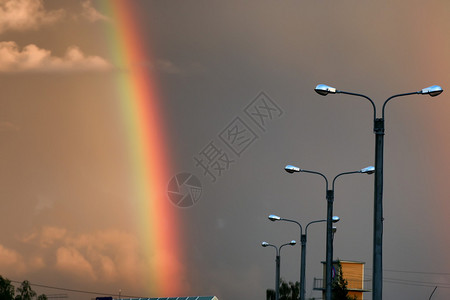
11	260
34	59
90	13
167	66
102	256
26	15
51	235
72	261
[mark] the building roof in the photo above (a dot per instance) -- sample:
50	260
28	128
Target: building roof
346	261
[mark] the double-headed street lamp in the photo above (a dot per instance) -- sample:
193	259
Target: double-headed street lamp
303	238
378	128
330	200
277	264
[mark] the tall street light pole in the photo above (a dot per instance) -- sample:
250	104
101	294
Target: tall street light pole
303	238
277	264
330	200
378	128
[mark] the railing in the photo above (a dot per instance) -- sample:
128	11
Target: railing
352	284
319	284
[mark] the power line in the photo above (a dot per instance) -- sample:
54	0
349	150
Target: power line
413	282
421	282
414	272
76	291
416	284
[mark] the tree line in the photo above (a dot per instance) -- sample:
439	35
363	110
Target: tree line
23	292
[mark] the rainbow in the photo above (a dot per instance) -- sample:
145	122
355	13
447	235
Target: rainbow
147	149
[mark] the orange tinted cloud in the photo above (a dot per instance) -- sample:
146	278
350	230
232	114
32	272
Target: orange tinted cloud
51	235
26	15
90	13
70	260
111	252
34	59
11	261
105	256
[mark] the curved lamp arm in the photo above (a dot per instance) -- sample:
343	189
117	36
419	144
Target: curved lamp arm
392	97
293	169
266	244
433	91
339	175
323	89
291	243
367	170
274	218
318	221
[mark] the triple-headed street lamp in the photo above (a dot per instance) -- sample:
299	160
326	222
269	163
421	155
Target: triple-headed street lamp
378	128
303	238
330	200
277	264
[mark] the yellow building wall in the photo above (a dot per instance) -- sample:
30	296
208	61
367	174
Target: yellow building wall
353	272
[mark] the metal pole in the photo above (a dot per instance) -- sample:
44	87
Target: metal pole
277	279
329	245
377	276
303	267
302	289
329	233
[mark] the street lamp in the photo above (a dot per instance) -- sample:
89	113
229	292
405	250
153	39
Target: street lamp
303	237
330	200
378	128
277	264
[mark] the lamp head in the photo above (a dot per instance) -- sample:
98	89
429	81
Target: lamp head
368	170
274	218
264	244
335	219
323	89
291	169
292	243
433	91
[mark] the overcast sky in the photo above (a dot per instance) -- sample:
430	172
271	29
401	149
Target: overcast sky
66	216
